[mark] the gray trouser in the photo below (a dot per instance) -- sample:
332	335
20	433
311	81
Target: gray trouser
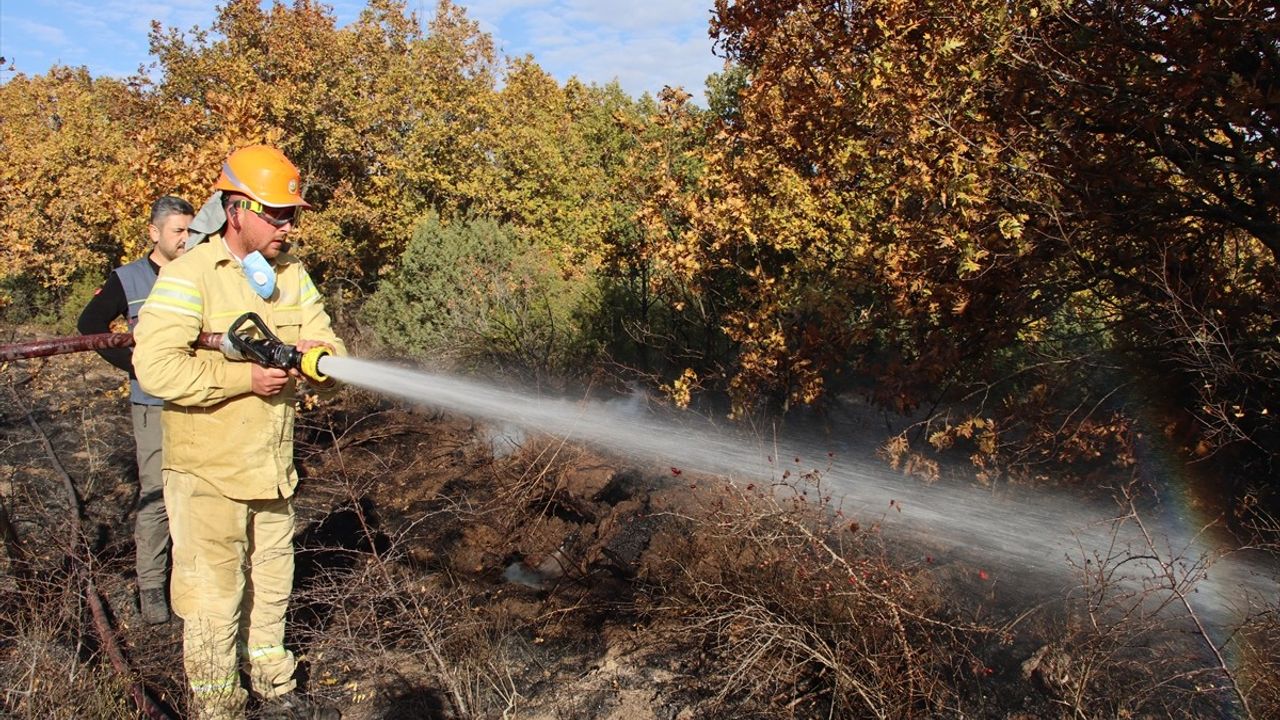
151	531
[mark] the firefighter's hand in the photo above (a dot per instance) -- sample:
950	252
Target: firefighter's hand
268	381
303	346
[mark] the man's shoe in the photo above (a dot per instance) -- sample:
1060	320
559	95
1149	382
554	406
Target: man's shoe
295	706
154	603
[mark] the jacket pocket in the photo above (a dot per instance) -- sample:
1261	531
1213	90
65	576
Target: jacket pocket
288	325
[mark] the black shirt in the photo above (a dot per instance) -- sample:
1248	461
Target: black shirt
107	304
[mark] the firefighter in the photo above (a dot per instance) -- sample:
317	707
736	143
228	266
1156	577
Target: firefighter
122	295
229	477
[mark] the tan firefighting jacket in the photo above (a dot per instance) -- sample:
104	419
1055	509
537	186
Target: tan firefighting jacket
214	426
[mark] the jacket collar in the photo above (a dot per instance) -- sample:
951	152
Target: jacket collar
222	254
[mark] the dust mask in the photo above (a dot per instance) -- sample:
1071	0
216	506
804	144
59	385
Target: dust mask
260	274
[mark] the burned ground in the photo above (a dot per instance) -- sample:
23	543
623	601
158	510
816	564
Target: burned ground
443	572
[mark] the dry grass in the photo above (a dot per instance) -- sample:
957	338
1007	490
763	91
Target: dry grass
787	607
1144	636
52	662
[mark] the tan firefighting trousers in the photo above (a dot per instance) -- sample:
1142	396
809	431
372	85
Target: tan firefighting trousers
232	574
151	528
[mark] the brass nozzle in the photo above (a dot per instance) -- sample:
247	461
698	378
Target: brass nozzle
310	364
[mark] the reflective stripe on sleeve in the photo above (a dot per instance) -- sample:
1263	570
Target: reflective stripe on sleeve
309	293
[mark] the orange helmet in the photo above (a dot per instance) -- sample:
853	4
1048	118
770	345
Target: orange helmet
264	174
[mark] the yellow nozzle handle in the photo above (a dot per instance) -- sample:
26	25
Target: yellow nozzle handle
310	364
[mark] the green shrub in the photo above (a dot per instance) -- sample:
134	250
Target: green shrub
478	293
24	300
75	297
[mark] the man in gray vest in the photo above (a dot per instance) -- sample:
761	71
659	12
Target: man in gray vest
122	295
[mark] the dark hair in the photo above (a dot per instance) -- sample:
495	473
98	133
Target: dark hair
169	205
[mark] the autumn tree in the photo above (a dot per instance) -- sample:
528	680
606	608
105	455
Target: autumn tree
655	320
66	186
983	205
865	199
378	115
1160	123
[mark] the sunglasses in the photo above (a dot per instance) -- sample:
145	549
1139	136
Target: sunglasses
275	217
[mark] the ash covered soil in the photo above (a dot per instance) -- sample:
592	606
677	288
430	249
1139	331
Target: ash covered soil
446	573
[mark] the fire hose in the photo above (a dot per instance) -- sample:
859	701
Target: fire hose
248	338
